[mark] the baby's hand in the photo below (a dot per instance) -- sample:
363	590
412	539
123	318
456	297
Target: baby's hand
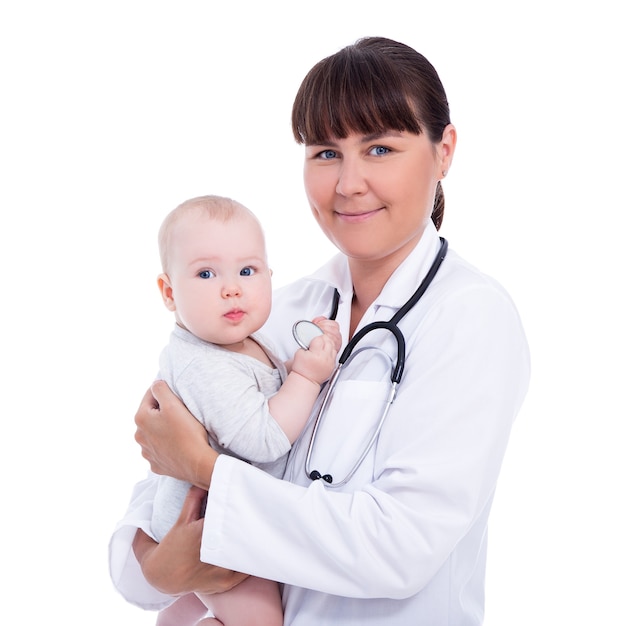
318	362
330	328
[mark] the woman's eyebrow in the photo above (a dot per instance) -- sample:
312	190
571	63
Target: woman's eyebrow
323	142
378	135
365	139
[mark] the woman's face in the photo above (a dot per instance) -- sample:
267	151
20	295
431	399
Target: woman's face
373	195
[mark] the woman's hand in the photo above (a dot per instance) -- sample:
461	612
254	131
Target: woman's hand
173	566
171	439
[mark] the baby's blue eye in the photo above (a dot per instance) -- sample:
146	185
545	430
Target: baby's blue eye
206	274
246	271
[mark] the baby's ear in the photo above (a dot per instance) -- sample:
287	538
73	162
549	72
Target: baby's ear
167	293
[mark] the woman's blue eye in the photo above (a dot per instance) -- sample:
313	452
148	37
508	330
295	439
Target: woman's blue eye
328	154
247	271
206	274
379	150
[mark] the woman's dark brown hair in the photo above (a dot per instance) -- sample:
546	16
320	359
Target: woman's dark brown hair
372	86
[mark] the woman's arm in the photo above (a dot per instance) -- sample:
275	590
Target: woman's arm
131	551
173	566
171	439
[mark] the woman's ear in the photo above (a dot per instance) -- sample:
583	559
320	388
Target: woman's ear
446	148
167	293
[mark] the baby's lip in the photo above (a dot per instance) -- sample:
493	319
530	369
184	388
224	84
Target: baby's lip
234	314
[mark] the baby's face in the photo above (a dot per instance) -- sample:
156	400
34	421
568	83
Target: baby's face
220	280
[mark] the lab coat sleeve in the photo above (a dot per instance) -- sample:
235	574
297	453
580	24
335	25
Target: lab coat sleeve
438	462
124	568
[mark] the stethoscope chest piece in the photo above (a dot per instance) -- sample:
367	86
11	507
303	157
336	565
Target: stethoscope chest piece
304	332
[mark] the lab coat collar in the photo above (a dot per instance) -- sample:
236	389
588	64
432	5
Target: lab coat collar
405	280
401	284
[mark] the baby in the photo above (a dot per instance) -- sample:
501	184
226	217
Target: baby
217	282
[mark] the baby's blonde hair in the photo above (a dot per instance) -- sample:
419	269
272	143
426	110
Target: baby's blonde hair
214	207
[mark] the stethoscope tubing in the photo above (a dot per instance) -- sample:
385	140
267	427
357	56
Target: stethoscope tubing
396	376
392	324
398	370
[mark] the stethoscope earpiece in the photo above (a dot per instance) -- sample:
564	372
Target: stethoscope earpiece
315	475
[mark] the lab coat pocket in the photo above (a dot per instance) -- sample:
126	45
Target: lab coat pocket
351	420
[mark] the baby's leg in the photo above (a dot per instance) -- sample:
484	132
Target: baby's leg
253	601
186	611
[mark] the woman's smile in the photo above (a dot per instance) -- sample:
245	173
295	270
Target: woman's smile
356	217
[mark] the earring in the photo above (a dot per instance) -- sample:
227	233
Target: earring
444	173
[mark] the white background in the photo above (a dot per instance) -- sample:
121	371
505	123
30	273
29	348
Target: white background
111	113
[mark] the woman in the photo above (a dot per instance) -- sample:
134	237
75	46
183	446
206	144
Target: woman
403	541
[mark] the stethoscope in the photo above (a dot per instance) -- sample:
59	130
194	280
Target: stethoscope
304	331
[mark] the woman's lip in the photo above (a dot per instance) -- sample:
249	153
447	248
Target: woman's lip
357	217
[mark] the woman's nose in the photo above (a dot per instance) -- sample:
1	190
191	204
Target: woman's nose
351	179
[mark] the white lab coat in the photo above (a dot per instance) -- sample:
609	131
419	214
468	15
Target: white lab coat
404	542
